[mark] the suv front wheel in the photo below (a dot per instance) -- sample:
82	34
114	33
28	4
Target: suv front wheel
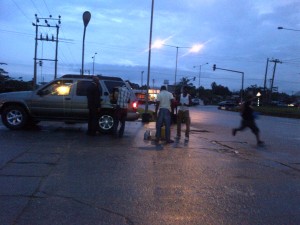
14	117
106	123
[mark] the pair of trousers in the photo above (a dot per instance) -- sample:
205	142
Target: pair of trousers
120	117
93	123
164	118
183	116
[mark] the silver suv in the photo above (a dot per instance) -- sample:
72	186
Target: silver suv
63	99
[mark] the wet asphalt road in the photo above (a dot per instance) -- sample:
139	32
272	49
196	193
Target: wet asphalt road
55	174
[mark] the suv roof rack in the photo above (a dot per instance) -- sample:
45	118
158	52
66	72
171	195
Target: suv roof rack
101	77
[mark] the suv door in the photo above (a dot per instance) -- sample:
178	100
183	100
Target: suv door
53	100
79	101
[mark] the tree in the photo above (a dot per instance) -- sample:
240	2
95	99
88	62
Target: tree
8	83
185	81
220	90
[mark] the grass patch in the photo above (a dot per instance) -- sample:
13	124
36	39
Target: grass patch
289	112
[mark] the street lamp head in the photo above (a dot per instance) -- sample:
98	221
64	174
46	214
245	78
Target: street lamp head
86	18
158	44
196	48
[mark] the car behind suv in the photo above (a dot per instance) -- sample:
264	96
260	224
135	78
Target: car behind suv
227	105
63	99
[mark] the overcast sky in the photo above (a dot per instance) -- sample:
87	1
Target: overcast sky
233	34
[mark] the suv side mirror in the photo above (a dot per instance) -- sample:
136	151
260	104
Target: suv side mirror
41	92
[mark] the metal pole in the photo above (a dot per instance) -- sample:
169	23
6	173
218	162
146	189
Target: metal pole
266	73
199	75
56	51
35	54
272	83
176	65
142	72
82	67
94	58
242	91
86	19
149	58
94	65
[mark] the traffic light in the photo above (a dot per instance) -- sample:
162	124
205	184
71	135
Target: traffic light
214	67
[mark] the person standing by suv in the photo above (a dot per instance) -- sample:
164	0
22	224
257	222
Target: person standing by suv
184	101
94	105
163	103
121	110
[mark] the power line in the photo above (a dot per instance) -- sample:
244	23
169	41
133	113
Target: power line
36	7
21	10
47	7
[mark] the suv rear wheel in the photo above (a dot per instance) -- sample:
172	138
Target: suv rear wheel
106	123
14	117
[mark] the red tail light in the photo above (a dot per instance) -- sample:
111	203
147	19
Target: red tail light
135	105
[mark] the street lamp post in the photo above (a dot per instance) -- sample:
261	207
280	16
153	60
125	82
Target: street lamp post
94	62
86	19
193	49
142	72
176	62
146	114
200	66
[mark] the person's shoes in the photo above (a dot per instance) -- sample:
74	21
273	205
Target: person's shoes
169	141
233	132
186	139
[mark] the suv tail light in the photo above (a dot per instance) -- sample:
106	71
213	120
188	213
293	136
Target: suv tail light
135	105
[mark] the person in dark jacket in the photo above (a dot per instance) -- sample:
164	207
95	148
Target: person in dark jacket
248	120
94	104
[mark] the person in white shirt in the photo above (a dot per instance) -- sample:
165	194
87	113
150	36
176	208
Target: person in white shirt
163	103
183	114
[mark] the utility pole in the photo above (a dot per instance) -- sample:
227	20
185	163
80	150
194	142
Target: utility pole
265	94
266	73
275	61
142	72
45	38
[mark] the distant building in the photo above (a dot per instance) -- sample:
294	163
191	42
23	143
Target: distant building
141	95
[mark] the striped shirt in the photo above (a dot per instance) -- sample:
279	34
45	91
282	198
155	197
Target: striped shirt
123	97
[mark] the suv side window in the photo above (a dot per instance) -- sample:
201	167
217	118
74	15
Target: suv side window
112	87
82	86
113	84
59	87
